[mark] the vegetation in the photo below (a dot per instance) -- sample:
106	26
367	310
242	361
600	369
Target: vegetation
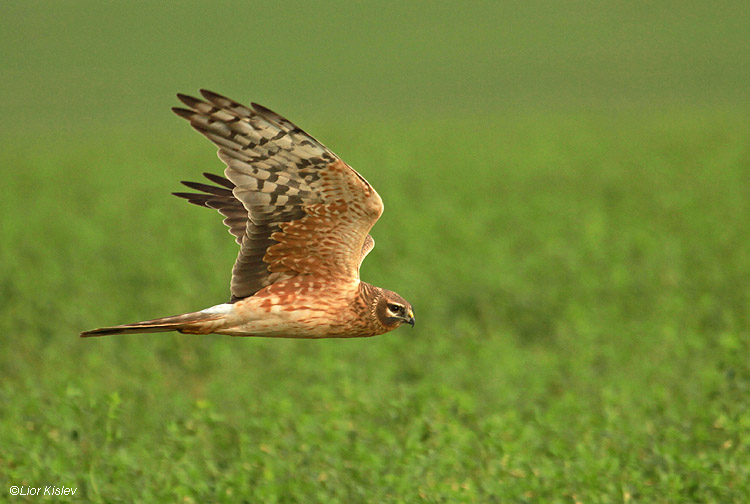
580	282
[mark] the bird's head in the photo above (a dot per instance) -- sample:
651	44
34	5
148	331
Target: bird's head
392	310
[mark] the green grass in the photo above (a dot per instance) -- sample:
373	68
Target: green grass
582	329
567	190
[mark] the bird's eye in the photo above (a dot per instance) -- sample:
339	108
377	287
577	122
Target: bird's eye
395	308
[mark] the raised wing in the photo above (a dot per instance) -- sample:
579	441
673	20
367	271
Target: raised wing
294	206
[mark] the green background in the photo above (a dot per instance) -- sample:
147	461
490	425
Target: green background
567	190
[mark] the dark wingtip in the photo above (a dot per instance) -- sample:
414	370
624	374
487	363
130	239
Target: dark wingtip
265	111
211	96
184	195
187	114
209	189
219	180
188	100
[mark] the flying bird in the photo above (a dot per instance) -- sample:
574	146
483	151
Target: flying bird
301	217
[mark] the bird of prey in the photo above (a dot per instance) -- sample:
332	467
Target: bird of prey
301	217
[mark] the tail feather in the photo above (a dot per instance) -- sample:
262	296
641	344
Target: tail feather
191	323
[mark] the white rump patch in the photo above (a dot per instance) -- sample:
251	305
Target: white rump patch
219	308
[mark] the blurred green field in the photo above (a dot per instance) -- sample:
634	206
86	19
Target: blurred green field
567	196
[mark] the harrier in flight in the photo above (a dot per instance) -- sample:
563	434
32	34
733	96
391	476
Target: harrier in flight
301	217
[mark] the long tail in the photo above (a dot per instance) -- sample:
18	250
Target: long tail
191	323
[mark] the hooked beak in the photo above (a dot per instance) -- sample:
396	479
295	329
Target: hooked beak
410	319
